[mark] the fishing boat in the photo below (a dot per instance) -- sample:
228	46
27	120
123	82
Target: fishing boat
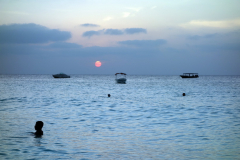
189	75
120	78
60	75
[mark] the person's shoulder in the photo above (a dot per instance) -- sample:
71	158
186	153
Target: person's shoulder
39	133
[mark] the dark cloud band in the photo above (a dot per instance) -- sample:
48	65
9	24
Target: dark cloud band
31	33
115	32
144	43
91	33
135	30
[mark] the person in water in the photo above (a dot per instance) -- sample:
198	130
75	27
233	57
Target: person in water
38	128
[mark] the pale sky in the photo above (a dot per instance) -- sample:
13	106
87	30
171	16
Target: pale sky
163	37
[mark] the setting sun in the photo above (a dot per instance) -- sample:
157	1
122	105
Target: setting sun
98	64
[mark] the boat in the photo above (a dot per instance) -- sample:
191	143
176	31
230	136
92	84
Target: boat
60	75
189	75
120	78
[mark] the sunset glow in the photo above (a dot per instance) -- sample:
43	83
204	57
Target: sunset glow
137	37
98	64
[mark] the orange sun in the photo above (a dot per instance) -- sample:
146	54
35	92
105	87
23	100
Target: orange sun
98	64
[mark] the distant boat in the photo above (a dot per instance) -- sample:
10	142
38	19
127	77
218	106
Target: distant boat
120	78
189	75
60	75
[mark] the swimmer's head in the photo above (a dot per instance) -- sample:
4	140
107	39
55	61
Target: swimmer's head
38	125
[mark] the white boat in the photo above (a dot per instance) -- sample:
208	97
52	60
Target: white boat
60	75
120	78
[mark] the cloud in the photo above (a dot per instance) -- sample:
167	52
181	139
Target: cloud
132	12
89	25
113	32
222	58
197	37
91	33
213	24
108	18
217	42
135	30
126	14
31	33
64	45
218	48
144	43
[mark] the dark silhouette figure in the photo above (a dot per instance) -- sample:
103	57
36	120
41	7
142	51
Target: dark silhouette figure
183	94
38	128
109	95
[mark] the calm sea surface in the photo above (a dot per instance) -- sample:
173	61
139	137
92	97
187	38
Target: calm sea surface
147	118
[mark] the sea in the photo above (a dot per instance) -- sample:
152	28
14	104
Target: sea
147	118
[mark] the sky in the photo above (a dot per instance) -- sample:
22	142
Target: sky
137	37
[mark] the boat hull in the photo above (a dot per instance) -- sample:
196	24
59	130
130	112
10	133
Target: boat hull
121	80
188	76
60	76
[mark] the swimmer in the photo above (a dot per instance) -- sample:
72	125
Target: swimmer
183	94
38	128
109	95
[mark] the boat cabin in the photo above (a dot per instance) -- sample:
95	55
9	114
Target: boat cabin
120	78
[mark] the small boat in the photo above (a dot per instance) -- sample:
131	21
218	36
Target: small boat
60	75
120	78
189	75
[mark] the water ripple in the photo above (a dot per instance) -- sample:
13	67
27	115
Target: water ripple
147	118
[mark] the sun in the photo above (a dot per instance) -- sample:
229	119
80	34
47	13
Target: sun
98	64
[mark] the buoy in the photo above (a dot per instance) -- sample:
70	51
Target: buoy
183	94
109	95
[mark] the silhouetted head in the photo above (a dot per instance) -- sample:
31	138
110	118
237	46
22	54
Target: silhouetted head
183	94
109	95
38	128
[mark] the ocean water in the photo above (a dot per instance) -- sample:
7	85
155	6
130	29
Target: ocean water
147	118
